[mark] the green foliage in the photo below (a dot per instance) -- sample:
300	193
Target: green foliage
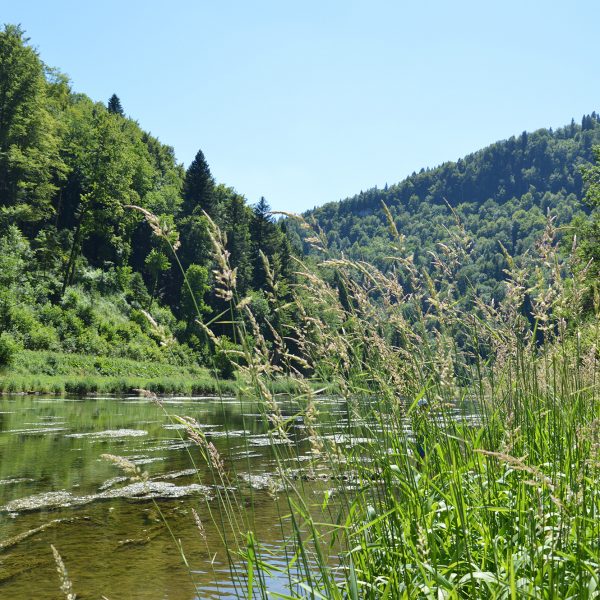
137	291
223	361
192	295
267	239
114	106
72	168
501	195
29	158
76	262
590	228
8	349
198	188
56	373
156	263
461	458
15	255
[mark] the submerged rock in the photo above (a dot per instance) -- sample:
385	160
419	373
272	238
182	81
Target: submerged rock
176	474
228	434
262	481
39	502
38	430
140	490
112	482
147	490
109	434
14	480
267	440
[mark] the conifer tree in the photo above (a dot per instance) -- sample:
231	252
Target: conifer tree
198	188
237	216
266	238
114	106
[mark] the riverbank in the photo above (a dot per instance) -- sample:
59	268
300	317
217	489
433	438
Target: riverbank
35	372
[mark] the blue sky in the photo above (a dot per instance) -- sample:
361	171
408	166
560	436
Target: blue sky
308	102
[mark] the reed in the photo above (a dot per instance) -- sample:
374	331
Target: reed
476	470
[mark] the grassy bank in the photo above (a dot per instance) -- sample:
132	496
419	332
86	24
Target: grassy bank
426	499
56	373
79	374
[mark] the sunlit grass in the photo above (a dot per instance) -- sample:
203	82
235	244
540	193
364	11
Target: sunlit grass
467	462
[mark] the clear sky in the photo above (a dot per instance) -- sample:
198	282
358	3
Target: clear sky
311	101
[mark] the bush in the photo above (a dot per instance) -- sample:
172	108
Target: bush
22	320
73	299
138	293
43	338
8	349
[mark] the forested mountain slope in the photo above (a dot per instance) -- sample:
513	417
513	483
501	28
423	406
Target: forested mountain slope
80	270
501	194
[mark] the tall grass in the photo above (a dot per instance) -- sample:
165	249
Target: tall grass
469	464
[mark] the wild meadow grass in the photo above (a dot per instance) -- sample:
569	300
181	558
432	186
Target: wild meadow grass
82	385
469	460
475	471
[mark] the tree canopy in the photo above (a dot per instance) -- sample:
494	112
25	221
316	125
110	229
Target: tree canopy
70	171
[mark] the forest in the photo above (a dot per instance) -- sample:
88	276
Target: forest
501	195
80	271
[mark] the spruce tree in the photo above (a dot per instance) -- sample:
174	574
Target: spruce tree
198	188
114	106
237	217
266	238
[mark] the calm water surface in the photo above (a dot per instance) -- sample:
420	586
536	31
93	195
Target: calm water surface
55	489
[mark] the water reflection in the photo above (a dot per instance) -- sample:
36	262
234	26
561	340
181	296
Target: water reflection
115	543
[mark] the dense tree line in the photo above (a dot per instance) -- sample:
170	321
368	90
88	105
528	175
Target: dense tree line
80	270
501	195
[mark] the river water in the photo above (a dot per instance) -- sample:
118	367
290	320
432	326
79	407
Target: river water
116	541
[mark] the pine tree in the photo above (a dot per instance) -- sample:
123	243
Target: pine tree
266	238
586	123
114	106
237	216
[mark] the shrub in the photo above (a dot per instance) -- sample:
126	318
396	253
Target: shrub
8	349
73	299
222	358
138	293
42	337
22	320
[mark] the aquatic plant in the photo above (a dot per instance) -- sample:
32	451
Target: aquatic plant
468	463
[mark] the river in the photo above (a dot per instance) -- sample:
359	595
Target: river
116	541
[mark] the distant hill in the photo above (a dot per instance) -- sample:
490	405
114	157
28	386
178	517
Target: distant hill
501	193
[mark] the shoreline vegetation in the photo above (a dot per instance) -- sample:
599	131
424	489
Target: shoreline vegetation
121	271
42	372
